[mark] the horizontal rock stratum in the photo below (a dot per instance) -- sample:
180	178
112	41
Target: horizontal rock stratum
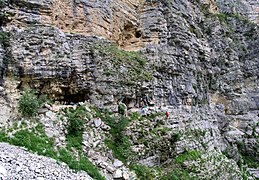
197	60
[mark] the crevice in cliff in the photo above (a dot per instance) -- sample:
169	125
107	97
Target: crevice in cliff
5	55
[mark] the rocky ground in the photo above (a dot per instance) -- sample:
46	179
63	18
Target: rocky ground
154	141
17	163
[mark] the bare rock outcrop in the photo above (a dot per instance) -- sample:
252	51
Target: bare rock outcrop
200	54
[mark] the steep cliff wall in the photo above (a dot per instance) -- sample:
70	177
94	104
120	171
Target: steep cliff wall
192	44
196	55
247	8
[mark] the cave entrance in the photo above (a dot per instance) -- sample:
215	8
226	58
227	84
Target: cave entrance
74	98
127	101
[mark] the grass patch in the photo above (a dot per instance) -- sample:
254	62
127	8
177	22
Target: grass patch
147	173
36	141
177	174
187	156
176	137
144	172
129	66
4	38
250	161
118	143
76	119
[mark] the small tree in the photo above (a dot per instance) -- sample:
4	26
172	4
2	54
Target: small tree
29	104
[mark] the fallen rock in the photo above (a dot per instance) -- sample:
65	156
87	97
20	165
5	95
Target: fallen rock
117	174
50	114
117	163
110	168
97	122
3	172
125	175
254	172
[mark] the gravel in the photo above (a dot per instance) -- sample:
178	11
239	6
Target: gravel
17	163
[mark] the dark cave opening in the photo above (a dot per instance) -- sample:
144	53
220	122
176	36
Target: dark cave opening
138	34
75	98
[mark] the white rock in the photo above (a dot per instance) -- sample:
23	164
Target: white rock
117	163
62	138
125	175
97	122
254	172
118	174
110	168
32	168
103	165
87	109
18	169
56	108
95	144
3	171
48	106
50	114
40	178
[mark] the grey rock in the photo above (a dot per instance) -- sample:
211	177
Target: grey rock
3	172
40	178
254	172
110	168
150	161
97	122
117	163
117	174
50	114
125	175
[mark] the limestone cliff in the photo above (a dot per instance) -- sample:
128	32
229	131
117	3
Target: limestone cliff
199	55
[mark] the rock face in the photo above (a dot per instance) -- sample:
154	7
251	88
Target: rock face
248	8
189	55
185	59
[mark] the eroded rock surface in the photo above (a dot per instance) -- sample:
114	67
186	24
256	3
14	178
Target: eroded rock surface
196	54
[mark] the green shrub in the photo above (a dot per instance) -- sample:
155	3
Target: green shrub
121	148
5	17
250	161
4	37
119	142
36	143
177	174
176	137
122	109
29	104
1	3
143	172
187	156
75	127
75	119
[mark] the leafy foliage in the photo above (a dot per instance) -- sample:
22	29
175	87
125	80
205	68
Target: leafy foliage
177	174
187	156
143	172
121	109
76	118
29	103
118	142
4	38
